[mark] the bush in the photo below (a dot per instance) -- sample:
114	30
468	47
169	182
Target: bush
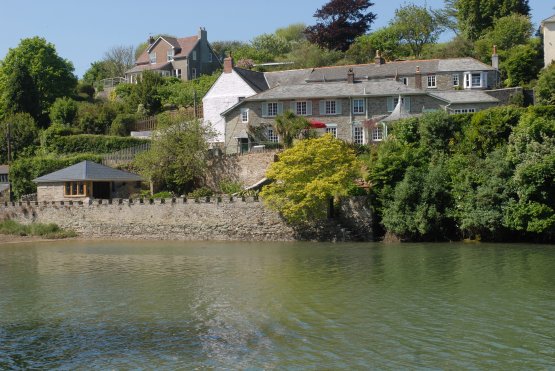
63	111
85	143
51	231
120	125
95	118
230	187
201	192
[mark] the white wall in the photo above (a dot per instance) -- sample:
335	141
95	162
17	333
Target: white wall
549	42
224	93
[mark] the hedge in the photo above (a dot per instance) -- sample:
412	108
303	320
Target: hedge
85	143
24	170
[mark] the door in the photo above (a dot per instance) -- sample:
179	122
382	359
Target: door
102	190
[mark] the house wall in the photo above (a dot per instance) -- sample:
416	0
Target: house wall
55	191
444	81
549	43
222	95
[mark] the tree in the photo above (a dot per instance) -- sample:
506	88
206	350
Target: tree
21	131
307	176
145	93
292	33
477	16
308	55
385	39
52	75
20	93
176	160
522	64
119	59
289	126
416	26
270	46
340	22
63	111
545	88
97	71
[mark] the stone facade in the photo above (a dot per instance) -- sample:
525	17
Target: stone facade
55	191
177	219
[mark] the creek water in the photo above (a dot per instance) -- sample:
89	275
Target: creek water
215	305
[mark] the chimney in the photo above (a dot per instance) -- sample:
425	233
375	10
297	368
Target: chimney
378	59
418	78
350	76
228	64
202	34
150	40
495	58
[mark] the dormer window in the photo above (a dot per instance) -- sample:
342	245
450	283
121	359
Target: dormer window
170	55
152	57
475	80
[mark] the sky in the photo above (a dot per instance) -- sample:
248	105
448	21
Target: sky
83	31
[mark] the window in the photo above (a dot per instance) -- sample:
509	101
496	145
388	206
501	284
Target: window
194	55
194	73
170	55
432	83
152	57
3	178
272	136
358	135
331	107
455	80
474	80
177	73
331	129
244	115
405	80
272	109
464	110
377	134
210	57
75	189
358	105
393	101
300	108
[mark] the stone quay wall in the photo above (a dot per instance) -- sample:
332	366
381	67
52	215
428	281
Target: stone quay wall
215	218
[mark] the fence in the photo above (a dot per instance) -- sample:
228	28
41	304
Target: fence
149	123
124	156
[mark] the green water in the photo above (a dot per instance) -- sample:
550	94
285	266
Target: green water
160	305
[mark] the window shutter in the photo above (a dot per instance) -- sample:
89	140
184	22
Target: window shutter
322	107
390	107
338	107
406	103
280	108
309	108
264	109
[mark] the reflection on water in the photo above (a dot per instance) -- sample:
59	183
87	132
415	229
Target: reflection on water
273	305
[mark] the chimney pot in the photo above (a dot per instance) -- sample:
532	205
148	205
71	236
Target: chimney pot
495	58
350	76
378	59
418	78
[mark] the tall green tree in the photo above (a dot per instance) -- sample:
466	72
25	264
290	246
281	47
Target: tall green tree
475	17
20	93
385	39
340	22
416	26
98	70
545	88
52	75
22	133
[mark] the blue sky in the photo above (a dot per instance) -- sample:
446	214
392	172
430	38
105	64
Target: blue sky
83	30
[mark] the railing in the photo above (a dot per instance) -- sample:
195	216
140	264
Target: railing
125	155
150	123
257	147
145	124
110	82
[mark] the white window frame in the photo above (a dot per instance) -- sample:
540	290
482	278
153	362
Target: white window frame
331	129
301	108
358	108
271	135
177	73
377	133
469	80
170	54
358	134
244	115
458	111
194	55
273	112
330	107
432	81
456	81
152	57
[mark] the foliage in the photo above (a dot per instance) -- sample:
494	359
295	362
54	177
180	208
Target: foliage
180	93
63	111
176	159
289	126
475	17
23	135
522	64
98	70
416	26
20	94
200	193
270	46
545	87
385	39
25	169
121	124
339	23
307	176
293	33
458	47
307	55
85	143
230	187
119	59
50	231
145	92
94	118
52	75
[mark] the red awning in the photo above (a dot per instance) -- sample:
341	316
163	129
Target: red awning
317	124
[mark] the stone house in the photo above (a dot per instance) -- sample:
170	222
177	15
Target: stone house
4	183
548	30
186	58
87	180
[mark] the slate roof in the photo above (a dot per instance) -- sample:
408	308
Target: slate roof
4	169
464	96
254	79
149	67
336	90
549	20
88	170
289	77
183	47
